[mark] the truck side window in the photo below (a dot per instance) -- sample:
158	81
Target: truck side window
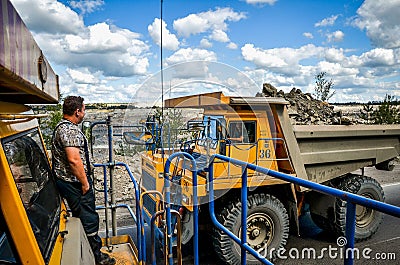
242	132
34	181
250	131
236	132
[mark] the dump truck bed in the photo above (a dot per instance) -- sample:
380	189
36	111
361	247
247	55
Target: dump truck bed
330	151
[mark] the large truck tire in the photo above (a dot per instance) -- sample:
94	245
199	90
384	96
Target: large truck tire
367	219
267	228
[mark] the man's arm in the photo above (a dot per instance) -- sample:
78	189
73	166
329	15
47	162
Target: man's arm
77	167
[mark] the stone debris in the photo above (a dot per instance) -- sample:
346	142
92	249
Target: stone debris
304	109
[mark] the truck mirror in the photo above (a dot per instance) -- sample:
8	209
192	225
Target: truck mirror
138	137
86	125
195	126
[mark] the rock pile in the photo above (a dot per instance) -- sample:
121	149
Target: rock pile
303	108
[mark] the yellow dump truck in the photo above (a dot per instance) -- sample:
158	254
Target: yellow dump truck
35	226
258	130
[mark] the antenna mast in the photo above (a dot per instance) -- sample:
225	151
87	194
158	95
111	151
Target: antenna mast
161	61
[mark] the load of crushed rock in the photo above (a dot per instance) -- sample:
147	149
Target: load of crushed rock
303	108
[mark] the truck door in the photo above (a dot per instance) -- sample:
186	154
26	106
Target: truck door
36	187
242	138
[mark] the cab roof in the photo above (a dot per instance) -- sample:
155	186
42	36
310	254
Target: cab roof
25	74
217	99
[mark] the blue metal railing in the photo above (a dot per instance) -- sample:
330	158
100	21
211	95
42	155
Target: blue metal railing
352	201
195	205
157	132
137	218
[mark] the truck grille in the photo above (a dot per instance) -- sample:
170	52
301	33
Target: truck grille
149	181
149	204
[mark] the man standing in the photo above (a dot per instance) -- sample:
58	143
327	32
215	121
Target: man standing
71	166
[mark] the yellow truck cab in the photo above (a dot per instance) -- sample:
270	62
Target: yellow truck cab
31	210
29	202
35	227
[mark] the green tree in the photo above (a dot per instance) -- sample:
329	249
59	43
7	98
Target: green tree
323	87
48	124
387	112
366	112
173	123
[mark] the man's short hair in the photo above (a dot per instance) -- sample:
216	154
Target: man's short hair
71	104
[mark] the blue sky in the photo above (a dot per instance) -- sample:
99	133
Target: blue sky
109	51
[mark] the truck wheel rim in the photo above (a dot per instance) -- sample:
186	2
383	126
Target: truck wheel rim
364	215
260	231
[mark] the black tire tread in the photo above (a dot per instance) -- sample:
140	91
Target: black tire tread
352	183
228	216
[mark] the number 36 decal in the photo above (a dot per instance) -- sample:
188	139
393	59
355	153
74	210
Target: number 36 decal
265	153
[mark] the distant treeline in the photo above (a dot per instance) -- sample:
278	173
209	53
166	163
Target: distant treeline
394	102
110	106
89	106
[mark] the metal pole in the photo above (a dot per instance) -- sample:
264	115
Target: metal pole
111	168
244	215
168	239
105	204
195	215
350	231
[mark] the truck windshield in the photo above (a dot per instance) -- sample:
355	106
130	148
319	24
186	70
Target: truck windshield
214	129
34	181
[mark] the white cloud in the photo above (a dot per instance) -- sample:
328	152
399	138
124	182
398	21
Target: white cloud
191	25
49	16
111	50
170	41
378	57
189	54
352	74
204	43
87	6
82	76
214	21
106	91
100	47
281	60
255	2
336	36
336	69
219	35
261	58
376	61
232	46
308	35
380	19
330	21
334	55
100	38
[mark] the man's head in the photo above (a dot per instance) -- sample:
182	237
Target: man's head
74	109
